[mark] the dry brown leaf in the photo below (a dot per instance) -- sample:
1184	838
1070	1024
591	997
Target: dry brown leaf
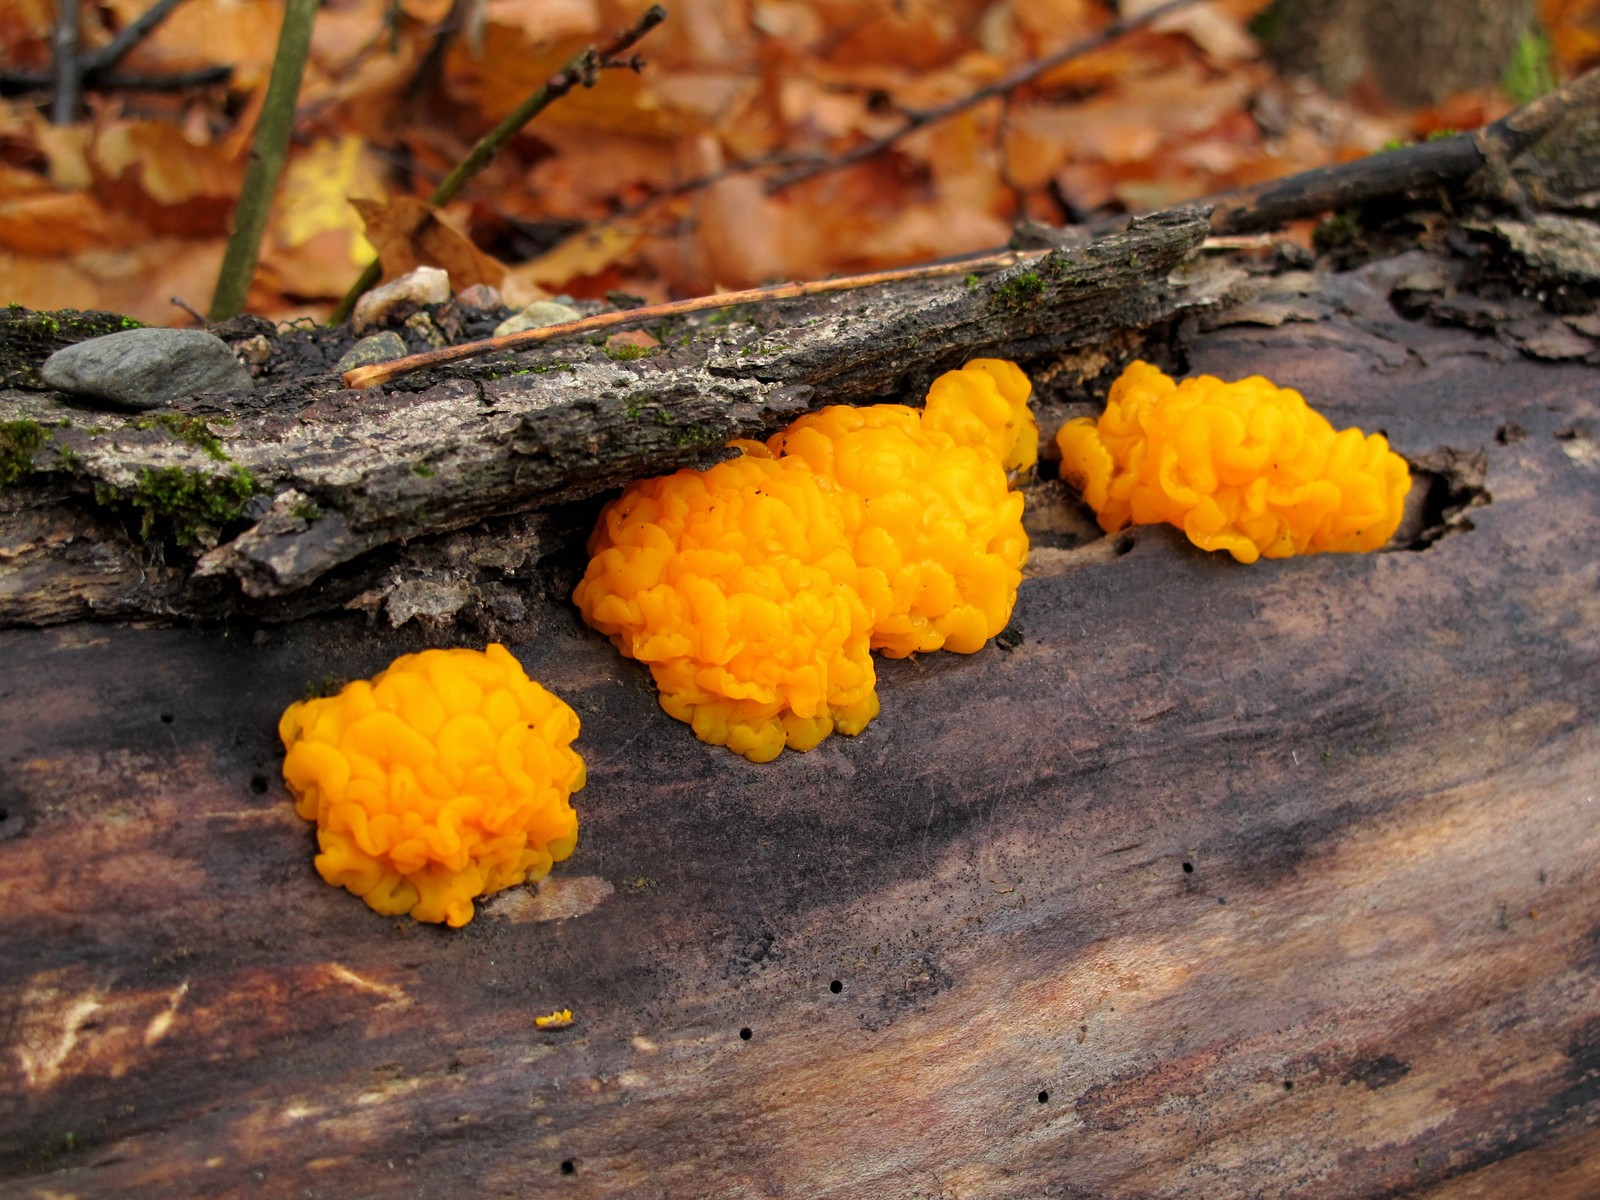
542	21
586	254
50	223
203	33
409	234
149	170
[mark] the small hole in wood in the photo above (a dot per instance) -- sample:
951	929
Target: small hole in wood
745	1034
1044	1097
836	987
568	1167
4	813
166	718
1188	868
1288	1085
258	784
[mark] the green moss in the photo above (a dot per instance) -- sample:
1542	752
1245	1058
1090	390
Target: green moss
1021	291
19	442
694	435
1528	75
1338	230
424	470
1442	135
189	506
308	511
635	405
972	280
627	353
192	430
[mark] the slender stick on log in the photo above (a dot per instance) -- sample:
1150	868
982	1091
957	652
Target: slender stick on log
582	69
363	377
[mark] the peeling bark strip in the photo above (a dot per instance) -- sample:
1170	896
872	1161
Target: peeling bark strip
334	475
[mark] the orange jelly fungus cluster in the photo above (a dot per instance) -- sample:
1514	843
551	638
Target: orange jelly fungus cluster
444	777
756	590
1245	467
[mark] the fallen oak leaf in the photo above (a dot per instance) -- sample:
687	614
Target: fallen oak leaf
409	234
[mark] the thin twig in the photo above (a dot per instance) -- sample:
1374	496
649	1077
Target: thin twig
68	70
267	156
1025	75
582	69
113	52
14	83
362	377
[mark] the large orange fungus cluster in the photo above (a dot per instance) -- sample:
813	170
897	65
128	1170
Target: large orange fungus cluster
756	590
1245	467
445	777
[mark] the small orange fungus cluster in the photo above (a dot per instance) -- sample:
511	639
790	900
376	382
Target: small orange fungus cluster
445	777
756	590
1245	467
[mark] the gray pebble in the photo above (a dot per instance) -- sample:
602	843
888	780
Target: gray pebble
380	347
536	316
146	368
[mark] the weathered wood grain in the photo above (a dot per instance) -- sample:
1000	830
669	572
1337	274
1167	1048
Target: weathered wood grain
1222	881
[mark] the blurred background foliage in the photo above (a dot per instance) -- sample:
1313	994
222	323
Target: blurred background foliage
644	183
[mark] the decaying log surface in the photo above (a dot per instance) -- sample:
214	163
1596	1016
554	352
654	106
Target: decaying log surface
336	475
1202	880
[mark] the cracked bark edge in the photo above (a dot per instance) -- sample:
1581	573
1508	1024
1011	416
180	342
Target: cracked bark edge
341	474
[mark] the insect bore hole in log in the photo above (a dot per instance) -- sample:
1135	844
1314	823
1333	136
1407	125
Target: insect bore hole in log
745	1034
568	1167
836	987
259	784
1044	1097
1188	868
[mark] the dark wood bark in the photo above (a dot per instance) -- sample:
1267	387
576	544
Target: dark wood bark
336	476
1202	880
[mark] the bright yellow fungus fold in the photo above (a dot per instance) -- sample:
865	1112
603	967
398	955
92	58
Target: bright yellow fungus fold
1245	467
444	777
756	590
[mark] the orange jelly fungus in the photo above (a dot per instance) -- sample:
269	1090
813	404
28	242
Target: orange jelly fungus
755	590
1245	467
444	777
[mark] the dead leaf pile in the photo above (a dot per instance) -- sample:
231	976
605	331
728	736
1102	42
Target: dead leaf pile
643	183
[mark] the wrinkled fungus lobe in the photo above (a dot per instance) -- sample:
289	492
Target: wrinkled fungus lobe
445	777
755	590
1245	467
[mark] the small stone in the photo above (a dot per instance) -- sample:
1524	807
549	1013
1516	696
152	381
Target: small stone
380	347
430	602
425	285
482	297
254	350
536	316
146	368
422	324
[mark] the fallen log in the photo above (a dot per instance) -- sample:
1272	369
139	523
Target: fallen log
1200	879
